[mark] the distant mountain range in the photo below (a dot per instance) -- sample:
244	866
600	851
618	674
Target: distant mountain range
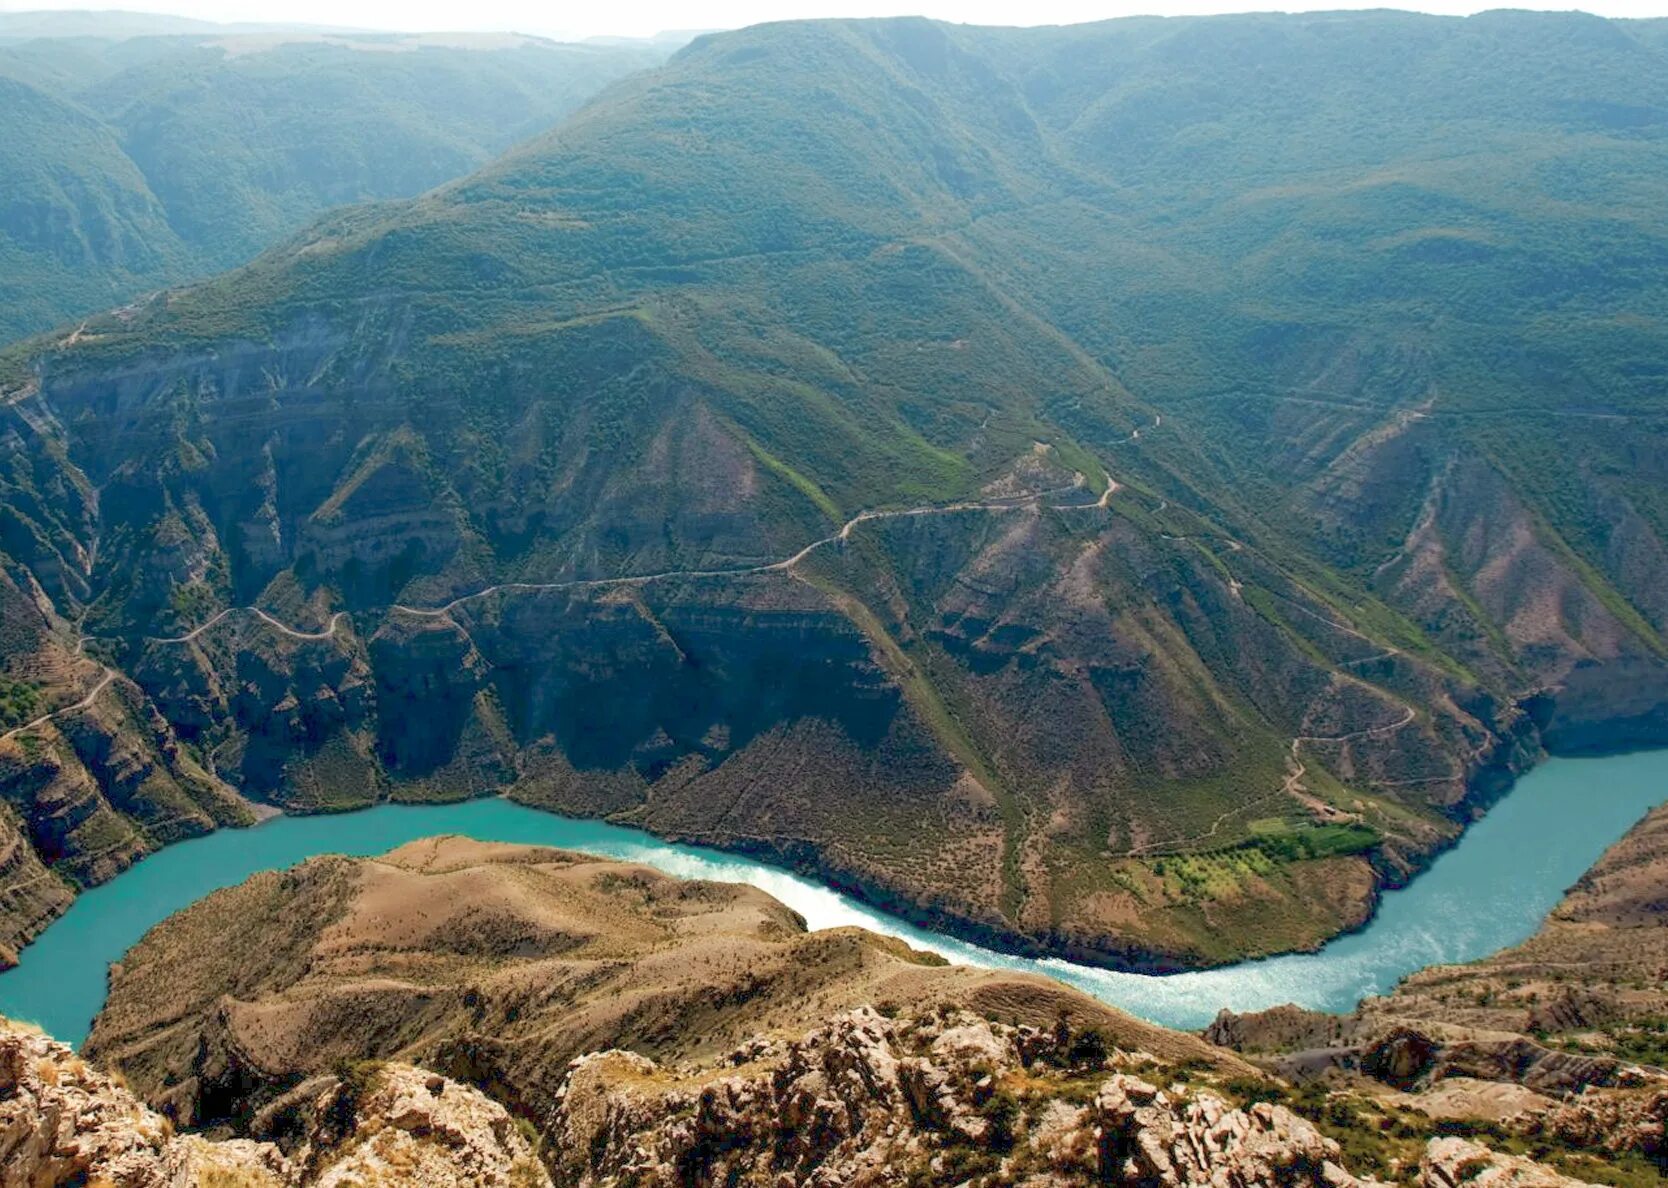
118	24
135	159
1129	491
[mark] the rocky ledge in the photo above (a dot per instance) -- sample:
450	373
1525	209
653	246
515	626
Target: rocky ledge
63	1122
949	1098
863	1101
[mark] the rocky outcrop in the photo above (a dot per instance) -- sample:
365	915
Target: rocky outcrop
1618	1123
63	1122
945	1097
413	1127
864	1100
1458	1163
867	1100
1145	1136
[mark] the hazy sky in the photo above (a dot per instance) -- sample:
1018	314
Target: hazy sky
642	17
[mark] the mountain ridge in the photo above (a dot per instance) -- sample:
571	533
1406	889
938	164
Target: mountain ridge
236	140
1304	608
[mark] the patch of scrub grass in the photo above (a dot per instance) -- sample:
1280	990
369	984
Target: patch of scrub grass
1301	843
796	480
19	702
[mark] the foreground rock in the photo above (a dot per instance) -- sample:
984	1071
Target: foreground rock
948	1098
62	1122
1455	1163
941	1098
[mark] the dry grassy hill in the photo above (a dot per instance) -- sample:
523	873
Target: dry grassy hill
498	964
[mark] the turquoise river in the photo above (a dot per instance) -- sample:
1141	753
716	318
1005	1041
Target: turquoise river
1491	890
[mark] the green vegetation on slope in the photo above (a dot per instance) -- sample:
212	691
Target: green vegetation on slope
141	162
1361	313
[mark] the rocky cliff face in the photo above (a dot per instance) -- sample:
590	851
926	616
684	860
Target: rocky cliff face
84	791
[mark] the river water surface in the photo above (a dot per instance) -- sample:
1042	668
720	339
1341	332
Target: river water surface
1491	890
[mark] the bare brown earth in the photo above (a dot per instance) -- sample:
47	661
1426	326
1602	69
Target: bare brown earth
499	964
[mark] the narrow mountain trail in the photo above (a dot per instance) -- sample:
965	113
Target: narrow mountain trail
195	632
1234	546
1009	503
275	624
293	633
109	674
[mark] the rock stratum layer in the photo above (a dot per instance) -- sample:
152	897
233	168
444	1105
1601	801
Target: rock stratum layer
1236	551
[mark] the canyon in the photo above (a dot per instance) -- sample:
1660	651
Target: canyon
997	532
513	1015
1120	501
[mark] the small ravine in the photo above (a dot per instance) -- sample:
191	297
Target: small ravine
1490	891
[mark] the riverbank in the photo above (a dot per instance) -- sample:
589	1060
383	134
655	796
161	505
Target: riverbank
1490	891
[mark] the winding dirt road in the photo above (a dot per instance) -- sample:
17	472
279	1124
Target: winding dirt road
109	674
1010	503
293	633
